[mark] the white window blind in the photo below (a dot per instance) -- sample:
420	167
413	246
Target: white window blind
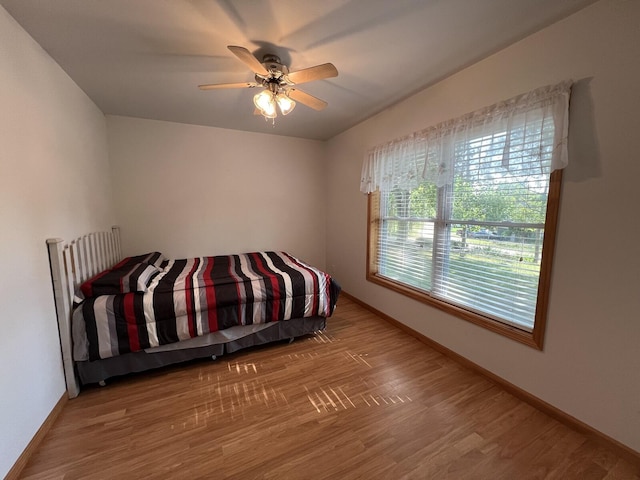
462	205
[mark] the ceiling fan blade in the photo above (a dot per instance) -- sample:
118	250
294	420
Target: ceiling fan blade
326	70
214	86
306	99
246	57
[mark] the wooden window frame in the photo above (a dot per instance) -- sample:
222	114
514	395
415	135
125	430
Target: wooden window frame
535	338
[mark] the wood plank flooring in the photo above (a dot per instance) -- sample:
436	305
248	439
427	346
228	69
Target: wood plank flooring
361	400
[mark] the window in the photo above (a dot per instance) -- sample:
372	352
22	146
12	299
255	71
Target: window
463	214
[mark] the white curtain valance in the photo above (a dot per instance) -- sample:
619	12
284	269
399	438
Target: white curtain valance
428	155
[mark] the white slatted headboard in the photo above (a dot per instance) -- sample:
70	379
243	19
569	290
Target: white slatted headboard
71	265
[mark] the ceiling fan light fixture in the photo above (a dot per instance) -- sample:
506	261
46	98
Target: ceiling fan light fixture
266	104
285	103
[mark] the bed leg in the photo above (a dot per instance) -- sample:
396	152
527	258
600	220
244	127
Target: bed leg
292	339
102	383
214	357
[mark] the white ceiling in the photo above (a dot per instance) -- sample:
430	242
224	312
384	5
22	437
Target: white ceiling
144	58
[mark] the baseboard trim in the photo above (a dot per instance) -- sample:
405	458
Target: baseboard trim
33	445
554	412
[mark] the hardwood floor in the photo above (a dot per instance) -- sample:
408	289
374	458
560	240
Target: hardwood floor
362	400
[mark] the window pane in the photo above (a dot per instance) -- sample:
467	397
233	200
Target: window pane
496	181
423	202
405	252
496	275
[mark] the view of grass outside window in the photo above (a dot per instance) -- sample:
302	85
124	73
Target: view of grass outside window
477	243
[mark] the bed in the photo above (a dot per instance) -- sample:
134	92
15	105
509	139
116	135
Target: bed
122	315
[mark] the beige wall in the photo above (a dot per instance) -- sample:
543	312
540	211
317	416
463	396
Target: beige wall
188	190
591	362
54	182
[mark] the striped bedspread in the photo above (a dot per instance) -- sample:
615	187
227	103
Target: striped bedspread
192	297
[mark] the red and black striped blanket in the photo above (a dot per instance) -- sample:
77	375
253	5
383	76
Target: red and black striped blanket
193	297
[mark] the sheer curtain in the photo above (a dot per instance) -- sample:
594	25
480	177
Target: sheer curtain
429	155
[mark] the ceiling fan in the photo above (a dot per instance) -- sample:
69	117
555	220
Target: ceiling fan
278	83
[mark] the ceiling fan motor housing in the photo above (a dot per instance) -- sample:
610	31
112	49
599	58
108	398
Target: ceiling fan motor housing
275	68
